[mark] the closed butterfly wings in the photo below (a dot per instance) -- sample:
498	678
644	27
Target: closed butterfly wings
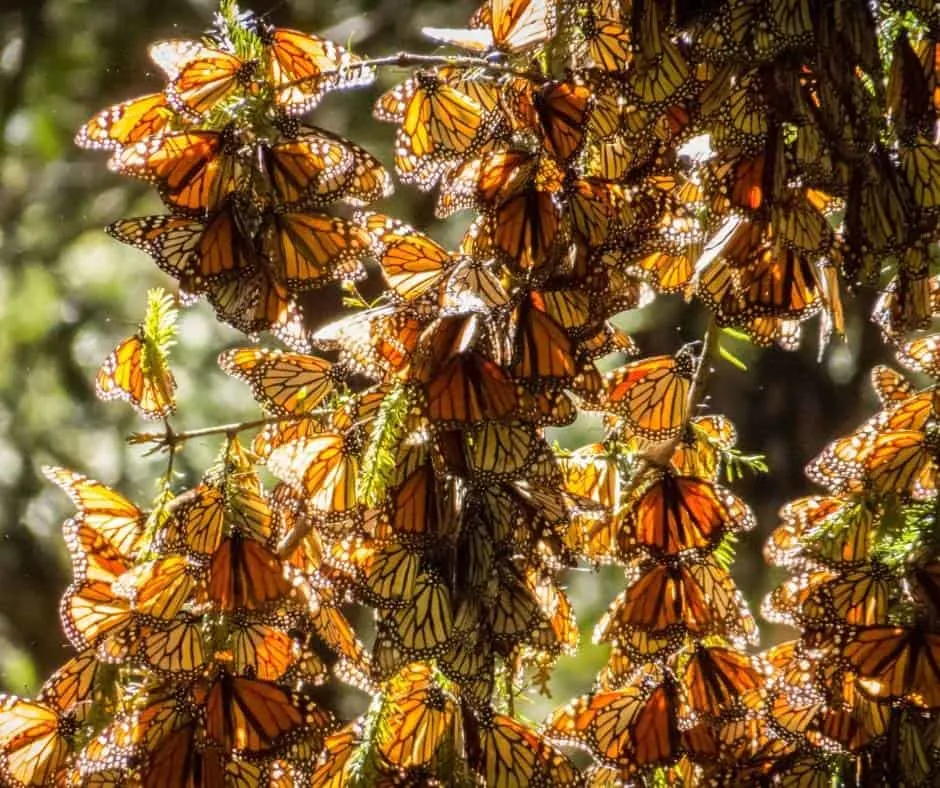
510	26
136	372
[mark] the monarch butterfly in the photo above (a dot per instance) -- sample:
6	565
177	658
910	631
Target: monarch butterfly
857	596
265	652
773	279
659	70
594	205
469	389
104	515
126	123
377	342
283	383
515	613
543	353
200	517
804	769
700	448
701	599
145	733
841	464
717	679
136	371
197	521
417	507
36	741
670	267
745	116
872	219
425	622
787	603
421	714
800	224
634	728
506	753
332	627
855	728
257	302
74	686
811	511
607	42
325	468
177	648
469	662
439	123
896	664
749	183
510	26
472	281
920	165
798	543
636	648
93	616
334	767
507	452
922	355
515	189
590	473
900	461
386	573
911	84
107	526
562	110
904	305
418	630
158	589
310	167
307	249
555	604
253	716
651	395
412	262
303	67
194	171
890	386
337	764
608	118
519	514
244	574
305	168
679	513
201	77
197	254
612	278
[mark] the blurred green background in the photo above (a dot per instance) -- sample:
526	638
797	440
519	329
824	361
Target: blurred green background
68	294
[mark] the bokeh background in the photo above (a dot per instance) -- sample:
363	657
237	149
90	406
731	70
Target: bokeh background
68	294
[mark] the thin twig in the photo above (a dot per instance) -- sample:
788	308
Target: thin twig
701	372
410	59
170	439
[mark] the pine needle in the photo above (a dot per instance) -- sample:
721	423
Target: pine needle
379	458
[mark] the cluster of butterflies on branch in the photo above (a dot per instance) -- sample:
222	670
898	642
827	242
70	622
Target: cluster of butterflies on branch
863	676
415	476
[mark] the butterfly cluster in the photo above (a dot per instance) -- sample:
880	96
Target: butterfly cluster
246	182
196	650
861	681
754	157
